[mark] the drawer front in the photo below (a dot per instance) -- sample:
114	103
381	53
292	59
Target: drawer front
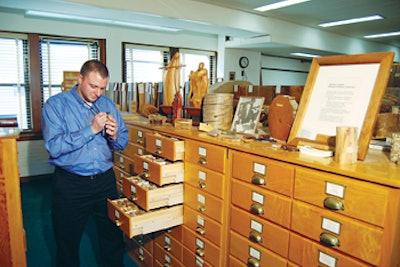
137	135
144	241
150	196
209	156
170	245
164	258
134	221
253	254
123	162
141	256
202	225
356	199
204	203
165	147
263	172
304	252
120	174
260	231
159	171
350	236
205	179
175	232
263	203
133	149
191	259
202	247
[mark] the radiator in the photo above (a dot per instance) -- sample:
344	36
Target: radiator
32	158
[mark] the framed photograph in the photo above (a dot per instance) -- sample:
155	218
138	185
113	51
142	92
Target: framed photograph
247	114
342	91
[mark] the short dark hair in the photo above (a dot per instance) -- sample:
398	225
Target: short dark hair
94	65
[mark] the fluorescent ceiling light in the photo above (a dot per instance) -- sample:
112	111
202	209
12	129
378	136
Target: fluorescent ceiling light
380	35
279	5
301	54
97	20
350	21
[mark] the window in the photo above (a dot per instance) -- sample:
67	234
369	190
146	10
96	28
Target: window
59	55
191	60
14	82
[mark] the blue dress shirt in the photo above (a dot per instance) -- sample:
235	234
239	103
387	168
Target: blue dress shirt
70	141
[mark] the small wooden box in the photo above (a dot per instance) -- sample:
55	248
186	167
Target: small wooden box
123	162
183	124
159	171
165	146
150	196
134	221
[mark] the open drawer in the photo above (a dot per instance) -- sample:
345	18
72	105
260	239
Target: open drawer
150	196
135	221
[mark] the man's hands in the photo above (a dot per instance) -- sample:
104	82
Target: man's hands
105	121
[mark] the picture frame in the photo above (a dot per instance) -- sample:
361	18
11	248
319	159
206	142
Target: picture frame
344	90
247	114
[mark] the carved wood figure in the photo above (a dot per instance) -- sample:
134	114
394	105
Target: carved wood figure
172	79
199	83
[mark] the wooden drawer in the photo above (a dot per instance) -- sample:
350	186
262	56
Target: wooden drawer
266	173
191	259
233	262
210	156
143	241
150	196
204	203
202	225
260	231
205	179
141	256
164	258
304	252
170	245
137	135
165	146
176	232
356	199
133	149
202	247
120	174
253	254
159	171
263	203
134	221
123	162
350	236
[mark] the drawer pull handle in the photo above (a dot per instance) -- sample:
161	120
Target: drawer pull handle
145	175
133	197
258	180
333	204
139	141
255	237
253	262
199	252
167	248
200	230
329	240
256	209
118	223
158	151
202	185
167	265
141	257
202	161
122	166
201	208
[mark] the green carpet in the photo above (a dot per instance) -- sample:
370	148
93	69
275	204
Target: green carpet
36	201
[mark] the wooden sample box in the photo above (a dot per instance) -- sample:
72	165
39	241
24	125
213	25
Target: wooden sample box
165	147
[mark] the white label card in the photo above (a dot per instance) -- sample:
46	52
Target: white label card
199	243
167	240
250	89
335	189
326	259
255	253
201	199
116	213
254	225
140	134
167	259
259	168
199	262
121	159
133	189
145	165
140	151
235	88
257	198
158	142
200	220
202	175
330	225
203	151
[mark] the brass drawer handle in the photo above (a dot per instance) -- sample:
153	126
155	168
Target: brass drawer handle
167	248
333	204
256	209
141	257
202	161
253	262
201	208
145	175
258	180
158	151
255	237
202	185
199	252
200	230
122	166
133	197
118	222
167	265
329	240
139	141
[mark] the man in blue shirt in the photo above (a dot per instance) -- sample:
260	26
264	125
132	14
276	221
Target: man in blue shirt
80	129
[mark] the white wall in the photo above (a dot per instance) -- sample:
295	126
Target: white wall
252	72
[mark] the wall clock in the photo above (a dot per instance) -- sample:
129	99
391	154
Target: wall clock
243	62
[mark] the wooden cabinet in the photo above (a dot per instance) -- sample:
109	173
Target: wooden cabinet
12	235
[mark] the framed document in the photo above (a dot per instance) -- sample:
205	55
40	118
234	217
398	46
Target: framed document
247	114
342	91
